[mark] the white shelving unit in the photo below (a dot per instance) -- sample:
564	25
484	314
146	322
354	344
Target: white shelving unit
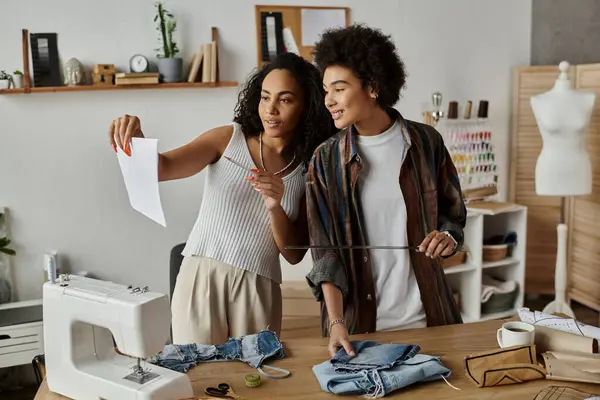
21	326
21	332
466	279
5	260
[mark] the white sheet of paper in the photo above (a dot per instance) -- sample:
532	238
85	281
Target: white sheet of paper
289	41
140	173
315	21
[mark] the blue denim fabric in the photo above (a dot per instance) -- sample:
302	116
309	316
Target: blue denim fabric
251	349
371	355
376	380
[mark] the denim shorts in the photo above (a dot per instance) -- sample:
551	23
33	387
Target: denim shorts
251	349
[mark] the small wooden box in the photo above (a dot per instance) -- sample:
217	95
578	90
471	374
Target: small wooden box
103	79
104	69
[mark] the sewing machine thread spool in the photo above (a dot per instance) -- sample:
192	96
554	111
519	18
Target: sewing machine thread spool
50	266
252	380
453	110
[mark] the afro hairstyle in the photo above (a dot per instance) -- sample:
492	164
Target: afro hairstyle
369	54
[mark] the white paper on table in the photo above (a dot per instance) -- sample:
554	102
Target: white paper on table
559	323
315	21
140	173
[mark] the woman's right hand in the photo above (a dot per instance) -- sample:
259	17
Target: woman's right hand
122	130
338	337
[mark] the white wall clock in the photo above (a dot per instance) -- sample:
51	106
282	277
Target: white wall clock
138	63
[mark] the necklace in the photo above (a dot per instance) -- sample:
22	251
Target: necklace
263	164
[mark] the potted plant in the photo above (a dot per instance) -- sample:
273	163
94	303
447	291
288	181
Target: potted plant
169	66
17	79
5	285
4	243
5	80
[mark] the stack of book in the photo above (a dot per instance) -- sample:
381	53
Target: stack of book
135	78
204	66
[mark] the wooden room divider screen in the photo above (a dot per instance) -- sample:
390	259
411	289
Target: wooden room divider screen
583	213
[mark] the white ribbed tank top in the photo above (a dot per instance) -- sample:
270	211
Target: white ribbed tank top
233	224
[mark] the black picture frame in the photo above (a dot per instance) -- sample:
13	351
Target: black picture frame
280	48
44	59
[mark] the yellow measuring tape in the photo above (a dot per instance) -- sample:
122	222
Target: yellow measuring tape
252	380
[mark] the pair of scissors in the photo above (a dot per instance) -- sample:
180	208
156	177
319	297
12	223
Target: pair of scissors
222	390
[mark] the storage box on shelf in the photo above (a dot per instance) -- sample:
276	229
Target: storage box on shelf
21	327
500	263
21	332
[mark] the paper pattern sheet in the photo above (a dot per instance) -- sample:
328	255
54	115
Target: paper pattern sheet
563	393
140	173
562	324
315	21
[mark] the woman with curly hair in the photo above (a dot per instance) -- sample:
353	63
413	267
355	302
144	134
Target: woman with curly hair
229	282
381	181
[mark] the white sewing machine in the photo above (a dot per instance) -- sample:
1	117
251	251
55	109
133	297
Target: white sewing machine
81	317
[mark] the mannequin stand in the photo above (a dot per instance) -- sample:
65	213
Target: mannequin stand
559	304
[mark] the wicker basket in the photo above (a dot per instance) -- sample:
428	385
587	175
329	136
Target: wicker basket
495	252
500	302
457	259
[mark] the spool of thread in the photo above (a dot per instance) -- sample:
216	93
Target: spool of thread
252	380
453	110
50	266
468	109
483	109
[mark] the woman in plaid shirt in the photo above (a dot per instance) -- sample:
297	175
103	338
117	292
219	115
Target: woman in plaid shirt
382	180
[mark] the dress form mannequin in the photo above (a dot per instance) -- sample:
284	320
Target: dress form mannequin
563	167
562	115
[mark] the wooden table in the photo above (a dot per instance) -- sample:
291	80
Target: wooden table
452	342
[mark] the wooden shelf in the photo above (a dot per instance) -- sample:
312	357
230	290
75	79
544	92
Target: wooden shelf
28	89
84	88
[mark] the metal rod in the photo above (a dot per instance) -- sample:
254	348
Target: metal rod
350	247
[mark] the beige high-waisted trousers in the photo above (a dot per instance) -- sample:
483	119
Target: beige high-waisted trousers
213	301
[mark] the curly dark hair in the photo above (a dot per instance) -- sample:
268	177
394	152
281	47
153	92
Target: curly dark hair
369	54
315	124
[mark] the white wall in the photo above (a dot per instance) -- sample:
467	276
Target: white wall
61	180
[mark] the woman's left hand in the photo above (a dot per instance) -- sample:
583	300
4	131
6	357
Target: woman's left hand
437	244
269	186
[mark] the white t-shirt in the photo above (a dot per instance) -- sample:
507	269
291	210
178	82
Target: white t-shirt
398	297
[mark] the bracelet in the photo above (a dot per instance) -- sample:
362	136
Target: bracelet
337	321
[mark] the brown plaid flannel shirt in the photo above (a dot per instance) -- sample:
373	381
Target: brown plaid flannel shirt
433	197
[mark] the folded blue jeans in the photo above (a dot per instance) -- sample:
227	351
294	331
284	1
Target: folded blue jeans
378	370
371	355
252	349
